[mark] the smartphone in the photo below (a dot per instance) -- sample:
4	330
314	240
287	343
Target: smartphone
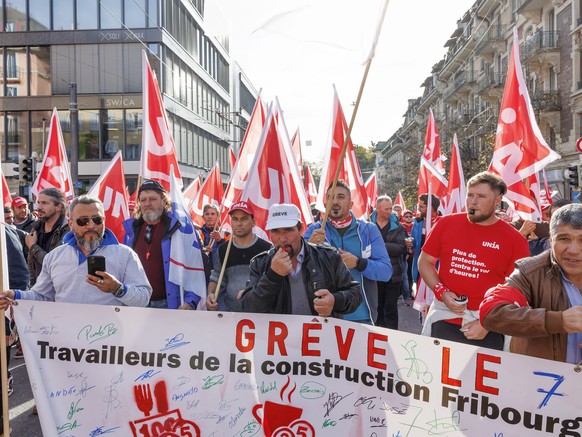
95	263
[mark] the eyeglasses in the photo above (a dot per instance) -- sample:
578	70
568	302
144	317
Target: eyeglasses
148	235
84	221
407	216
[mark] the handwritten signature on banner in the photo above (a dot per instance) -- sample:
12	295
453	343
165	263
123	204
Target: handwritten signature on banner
293	376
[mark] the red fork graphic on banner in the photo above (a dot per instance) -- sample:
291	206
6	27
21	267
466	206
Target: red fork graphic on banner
158	151
432	166
350	171
273	176
110	189
54	170
211	191
520	149
246	155
457	189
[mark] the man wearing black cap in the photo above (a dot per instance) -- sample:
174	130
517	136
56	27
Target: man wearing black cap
150	236
245	245
296	277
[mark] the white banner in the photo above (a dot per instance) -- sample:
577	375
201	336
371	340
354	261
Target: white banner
158	373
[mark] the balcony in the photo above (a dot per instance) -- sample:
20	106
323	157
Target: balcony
490	80
546	101
530	5
493	41
540	42
464	77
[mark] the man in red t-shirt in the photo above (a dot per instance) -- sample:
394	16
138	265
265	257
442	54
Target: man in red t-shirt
476	251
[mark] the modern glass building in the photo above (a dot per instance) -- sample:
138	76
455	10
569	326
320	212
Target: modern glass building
45	45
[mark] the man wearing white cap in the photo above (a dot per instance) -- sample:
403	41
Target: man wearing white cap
245	245
296	277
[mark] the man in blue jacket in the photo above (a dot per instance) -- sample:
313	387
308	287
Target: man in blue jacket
150	235
361	247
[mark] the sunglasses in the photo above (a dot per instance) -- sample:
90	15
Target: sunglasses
407	216
84	221
148	234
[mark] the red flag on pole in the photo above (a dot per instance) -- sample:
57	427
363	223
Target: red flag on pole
350	171
310	188
54	170
110	189
520	150
5	191
372	190
245	158
296	146
191	190
400	201
432	166
273	176
211	191
231	158
158	151
454	201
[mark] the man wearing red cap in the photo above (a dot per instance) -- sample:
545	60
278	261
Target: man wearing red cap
23	218
245	245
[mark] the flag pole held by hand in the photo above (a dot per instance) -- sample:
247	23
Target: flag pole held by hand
223	268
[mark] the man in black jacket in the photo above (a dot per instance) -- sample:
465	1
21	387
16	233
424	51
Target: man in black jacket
296	277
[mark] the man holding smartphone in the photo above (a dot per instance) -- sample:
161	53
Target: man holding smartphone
64	276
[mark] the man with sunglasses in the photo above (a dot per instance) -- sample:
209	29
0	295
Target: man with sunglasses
48	231
150	235
64	276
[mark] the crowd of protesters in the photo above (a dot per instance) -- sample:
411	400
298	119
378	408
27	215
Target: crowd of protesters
483	277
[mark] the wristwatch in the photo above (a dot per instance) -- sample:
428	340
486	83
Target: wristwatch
120	291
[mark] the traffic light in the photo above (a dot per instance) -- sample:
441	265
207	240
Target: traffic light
574	176
26	170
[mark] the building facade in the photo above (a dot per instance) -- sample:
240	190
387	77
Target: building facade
45	45
464	89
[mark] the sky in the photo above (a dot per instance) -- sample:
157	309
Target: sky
297	50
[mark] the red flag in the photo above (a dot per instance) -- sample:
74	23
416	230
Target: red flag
158	151
432	166
231	158
245	158
54	171
310	188
520	150
547	193
400	201
110	189
296	146
6	196
372	190
191	190
350	171
211	191
454	201
273	176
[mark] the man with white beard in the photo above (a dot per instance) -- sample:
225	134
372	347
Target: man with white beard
64	276
150	235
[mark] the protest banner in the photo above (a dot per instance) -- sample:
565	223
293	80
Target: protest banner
142	372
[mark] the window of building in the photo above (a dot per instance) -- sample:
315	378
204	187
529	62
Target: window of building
40	14
135	13
17	135
39	125
111	132
40	71
132	68
133	133
15	66
153	13
65	121
88	134
16	16
87	19
63	68
64	14
87	68
111	76
110	14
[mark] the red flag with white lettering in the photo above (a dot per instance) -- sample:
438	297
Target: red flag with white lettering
54	170
310	188
158	151
211	191
520	149
110	189
6	196
246	155
454	201
273	176
350	171
191	190
432	165
400	201
372	190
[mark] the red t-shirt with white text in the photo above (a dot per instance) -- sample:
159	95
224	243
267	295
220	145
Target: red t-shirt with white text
473	257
